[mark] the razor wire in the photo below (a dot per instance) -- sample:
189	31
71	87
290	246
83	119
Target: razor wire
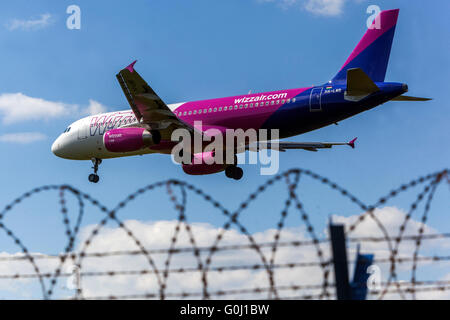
203	256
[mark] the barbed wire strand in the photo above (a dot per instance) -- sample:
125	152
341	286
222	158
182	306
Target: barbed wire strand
267	263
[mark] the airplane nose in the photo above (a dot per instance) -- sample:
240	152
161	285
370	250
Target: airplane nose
55	147
67	147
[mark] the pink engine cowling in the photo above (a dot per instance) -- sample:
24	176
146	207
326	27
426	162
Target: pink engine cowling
127	139
200	164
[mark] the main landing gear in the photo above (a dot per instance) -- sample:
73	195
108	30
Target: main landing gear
93	177
234	172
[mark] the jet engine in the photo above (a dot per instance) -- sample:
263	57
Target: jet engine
203	163
130	139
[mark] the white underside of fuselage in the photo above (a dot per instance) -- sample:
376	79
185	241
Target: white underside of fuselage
84	140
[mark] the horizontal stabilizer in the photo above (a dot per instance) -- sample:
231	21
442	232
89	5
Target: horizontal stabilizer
359	85
408	98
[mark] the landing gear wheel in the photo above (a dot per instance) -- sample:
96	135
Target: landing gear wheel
93	177
234	172
238	173
229	172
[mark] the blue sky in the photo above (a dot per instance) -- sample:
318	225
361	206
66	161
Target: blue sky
190	50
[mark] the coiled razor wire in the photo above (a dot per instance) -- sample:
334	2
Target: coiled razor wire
292	202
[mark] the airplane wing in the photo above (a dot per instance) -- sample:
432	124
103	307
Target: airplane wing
287	145
147	106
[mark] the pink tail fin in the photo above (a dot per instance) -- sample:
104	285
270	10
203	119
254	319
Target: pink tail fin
372	52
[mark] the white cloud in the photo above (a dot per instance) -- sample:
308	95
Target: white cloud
32	24
22	137
391	218
319	7
17	107
325	7
94	108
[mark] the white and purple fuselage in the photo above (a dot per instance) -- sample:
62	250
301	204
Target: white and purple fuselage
292	112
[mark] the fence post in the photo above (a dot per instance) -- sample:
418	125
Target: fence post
340	263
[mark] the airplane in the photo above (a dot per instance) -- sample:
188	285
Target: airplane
147	128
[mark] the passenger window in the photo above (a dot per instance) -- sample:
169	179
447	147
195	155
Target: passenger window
256	104
205	110
293	100
282	101
190	112
272	102
240	107
288	100
215	109
224	108
267	103
199	111
220	108
251	105
185	113
210	110
235	107
195	111
278	101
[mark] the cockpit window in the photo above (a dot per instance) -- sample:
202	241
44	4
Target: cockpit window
67	130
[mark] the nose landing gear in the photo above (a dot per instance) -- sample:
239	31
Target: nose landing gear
93	177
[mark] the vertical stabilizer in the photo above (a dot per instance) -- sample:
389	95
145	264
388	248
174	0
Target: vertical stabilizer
372	52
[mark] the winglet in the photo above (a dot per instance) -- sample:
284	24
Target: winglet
131	66
352	143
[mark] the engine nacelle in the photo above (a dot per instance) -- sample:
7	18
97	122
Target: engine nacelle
200	164
129	139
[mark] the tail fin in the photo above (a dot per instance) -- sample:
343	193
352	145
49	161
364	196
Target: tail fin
372	52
